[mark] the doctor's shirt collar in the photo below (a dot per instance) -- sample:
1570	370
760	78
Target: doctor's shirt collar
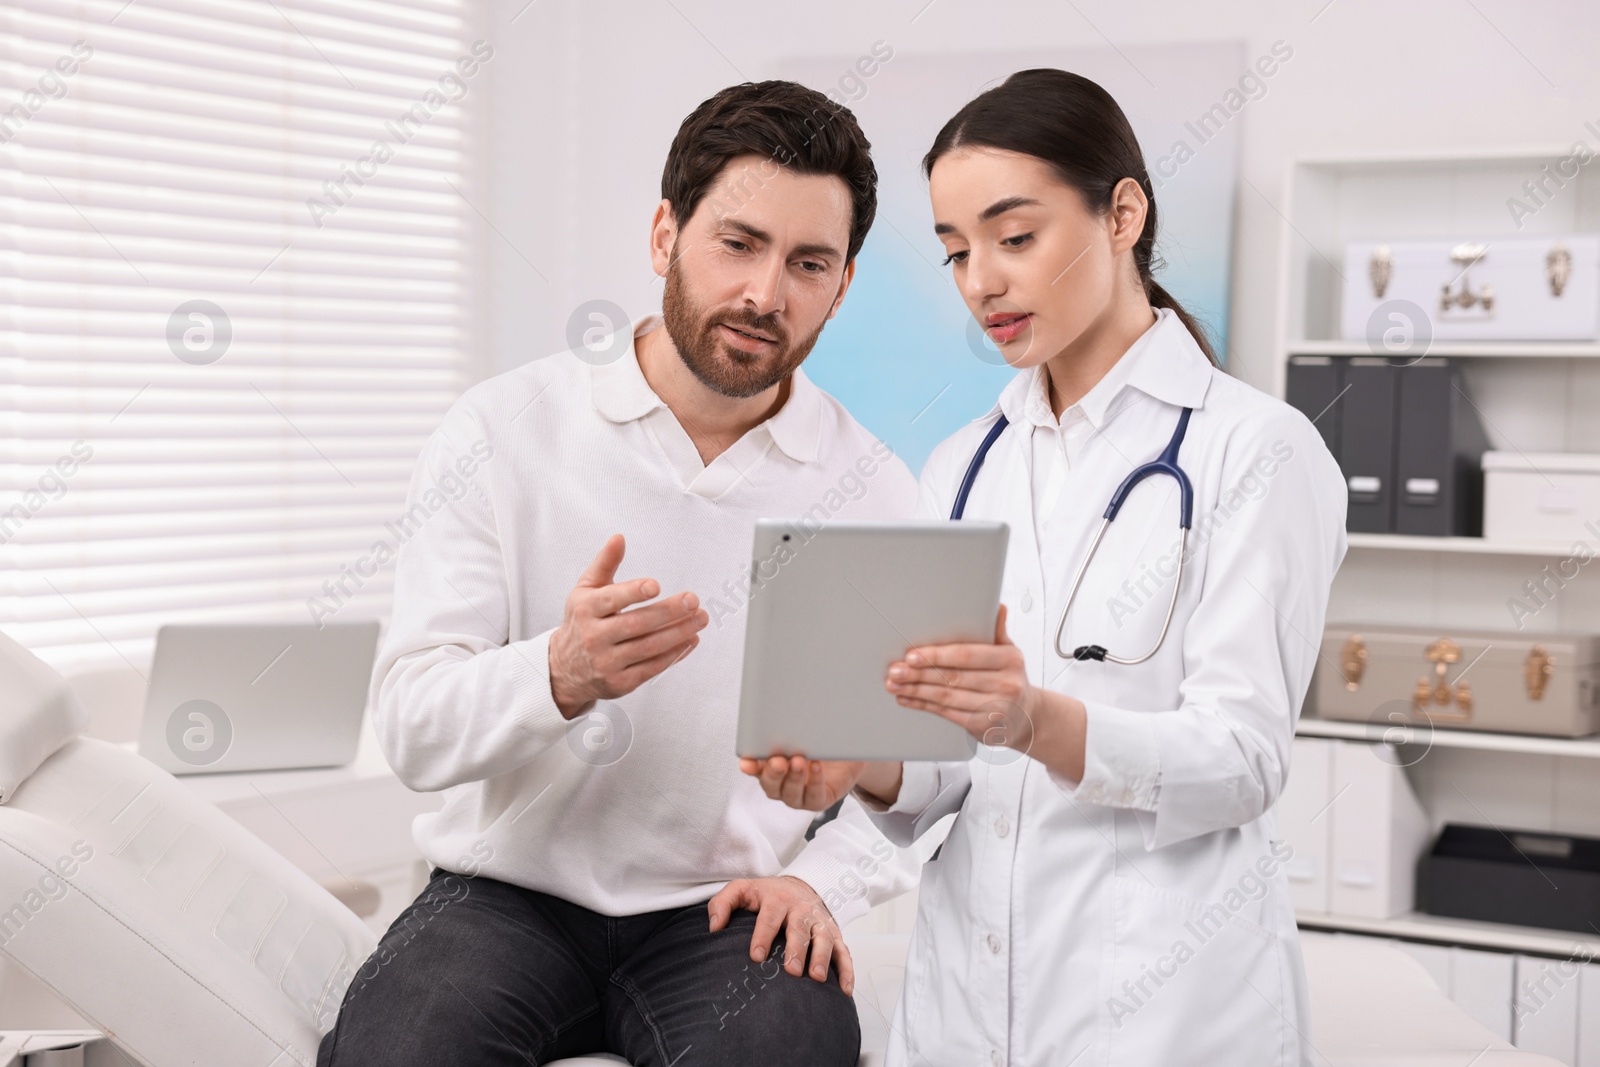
622	394
1165	363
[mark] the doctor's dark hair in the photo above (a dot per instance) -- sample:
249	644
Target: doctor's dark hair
1074	125
784	122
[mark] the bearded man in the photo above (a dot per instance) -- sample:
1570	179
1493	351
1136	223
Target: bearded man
603	877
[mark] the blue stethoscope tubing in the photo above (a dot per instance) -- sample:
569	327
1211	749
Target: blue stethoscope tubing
1166	463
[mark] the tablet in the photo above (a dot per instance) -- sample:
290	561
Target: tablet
832	606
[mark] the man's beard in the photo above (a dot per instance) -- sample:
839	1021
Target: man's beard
718	365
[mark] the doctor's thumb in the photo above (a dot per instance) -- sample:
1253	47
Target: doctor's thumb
1000	637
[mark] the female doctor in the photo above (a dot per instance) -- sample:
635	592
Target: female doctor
1111	890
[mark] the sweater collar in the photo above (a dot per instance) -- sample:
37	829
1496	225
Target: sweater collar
622	394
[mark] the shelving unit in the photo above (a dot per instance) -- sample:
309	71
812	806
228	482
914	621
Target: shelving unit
1433	929
1472	545
1442	737
1533	397
1484	349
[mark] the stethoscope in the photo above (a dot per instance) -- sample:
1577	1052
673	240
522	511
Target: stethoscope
1166	463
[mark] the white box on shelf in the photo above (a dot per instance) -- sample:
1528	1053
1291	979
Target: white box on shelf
1303	821
1541	496
1589	1016
1481	985
1545	1018
1498	289
1379	831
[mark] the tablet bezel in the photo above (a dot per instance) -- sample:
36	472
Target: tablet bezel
858	594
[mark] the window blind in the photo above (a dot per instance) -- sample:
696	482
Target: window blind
237	247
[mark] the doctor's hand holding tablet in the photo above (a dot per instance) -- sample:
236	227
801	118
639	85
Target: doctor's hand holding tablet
1112	739
981	687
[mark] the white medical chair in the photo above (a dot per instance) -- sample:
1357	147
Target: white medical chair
114	699
159	919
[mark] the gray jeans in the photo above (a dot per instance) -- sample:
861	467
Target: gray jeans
482	973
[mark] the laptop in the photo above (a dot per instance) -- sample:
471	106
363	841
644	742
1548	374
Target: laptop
257	696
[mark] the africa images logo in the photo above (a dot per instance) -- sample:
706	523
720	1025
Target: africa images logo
199	732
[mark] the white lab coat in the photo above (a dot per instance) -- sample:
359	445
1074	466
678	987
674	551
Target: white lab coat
1140	916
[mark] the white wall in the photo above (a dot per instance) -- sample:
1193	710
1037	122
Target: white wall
586	95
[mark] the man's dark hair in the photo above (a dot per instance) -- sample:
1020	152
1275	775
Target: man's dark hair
784	121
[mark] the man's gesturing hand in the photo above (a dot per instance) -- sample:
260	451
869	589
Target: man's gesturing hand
789	904
600	652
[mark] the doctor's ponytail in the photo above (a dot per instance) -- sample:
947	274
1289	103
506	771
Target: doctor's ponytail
1074	125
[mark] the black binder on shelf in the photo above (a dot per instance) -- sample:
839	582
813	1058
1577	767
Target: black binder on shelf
1408	440
1438	453
1313	386
1367	414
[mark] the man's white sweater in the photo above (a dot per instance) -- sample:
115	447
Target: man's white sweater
638	804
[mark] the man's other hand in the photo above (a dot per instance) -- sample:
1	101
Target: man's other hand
787	903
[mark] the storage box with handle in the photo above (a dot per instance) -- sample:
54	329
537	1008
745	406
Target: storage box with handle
1473	289
1504	682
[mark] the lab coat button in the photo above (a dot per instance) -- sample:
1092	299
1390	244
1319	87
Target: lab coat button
1025	602
996	1059
994	944
1001	826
